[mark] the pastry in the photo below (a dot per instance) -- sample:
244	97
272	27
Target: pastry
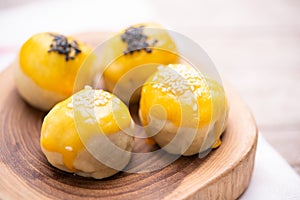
133	55
179	101
89	134
47	66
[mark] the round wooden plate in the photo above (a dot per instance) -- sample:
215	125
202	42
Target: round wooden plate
25	173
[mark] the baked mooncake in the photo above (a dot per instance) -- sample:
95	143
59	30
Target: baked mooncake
133	55
47	66
80	134
178	101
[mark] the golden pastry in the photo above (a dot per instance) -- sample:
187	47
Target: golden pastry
179	101
133	55
74	131
47	66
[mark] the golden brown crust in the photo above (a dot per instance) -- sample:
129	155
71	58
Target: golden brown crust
87	165
190	141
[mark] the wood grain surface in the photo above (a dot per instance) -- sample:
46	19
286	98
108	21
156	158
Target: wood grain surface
25	173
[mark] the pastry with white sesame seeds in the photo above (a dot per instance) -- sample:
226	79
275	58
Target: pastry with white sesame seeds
133	55
182	110
89	134
47	67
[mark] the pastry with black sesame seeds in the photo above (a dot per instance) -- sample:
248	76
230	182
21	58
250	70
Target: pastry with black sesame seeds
133	55
47	67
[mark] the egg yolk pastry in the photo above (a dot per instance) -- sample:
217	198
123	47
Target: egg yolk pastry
133	55
47	66
82	133
184	111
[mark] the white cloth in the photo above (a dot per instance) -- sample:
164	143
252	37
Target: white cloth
272	179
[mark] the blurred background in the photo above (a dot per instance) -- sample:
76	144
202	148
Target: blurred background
255	45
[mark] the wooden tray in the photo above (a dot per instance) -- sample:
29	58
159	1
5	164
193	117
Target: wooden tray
25	173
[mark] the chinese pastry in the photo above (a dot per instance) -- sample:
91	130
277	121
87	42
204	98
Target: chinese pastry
179	101
76	133
47	66
133	55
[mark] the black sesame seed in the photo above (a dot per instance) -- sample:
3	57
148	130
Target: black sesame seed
136	40
61	45
148	50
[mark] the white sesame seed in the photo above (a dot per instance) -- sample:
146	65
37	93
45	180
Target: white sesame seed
68	148
177	79
195	107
